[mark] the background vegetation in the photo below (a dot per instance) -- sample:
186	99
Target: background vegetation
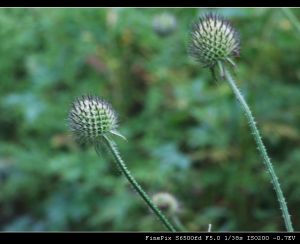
186	133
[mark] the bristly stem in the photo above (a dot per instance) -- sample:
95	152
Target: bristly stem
113	148
262	150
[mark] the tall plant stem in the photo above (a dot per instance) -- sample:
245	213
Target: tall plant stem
113	148
262	150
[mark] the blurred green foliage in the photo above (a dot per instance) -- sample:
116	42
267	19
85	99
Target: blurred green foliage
186	133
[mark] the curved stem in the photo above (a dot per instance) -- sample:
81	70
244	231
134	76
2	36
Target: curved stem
113	148
262	150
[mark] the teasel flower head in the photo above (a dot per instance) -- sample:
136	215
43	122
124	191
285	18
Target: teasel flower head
166	202
214	42
90	118
164	24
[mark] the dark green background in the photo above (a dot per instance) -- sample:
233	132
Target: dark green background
186	133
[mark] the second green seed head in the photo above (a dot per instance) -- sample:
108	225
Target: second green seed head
213	39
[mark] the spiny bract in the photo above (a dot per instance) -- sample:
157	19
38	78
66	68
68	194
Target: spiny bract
213	39
91	117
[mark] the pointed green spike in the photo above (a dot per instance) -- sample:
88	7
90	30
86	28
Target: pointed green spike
234	68
114	132
231	62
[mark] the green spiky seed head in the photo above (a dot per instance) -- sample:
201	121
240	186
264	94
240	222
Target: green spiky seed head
91	117
166	202
213	39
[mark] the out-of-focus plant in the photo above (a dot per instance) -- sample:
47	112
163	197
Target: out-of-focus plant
292	18
167	203
164	24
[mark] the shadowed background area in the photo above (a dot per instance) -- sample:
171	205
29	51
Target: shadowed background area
186	133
